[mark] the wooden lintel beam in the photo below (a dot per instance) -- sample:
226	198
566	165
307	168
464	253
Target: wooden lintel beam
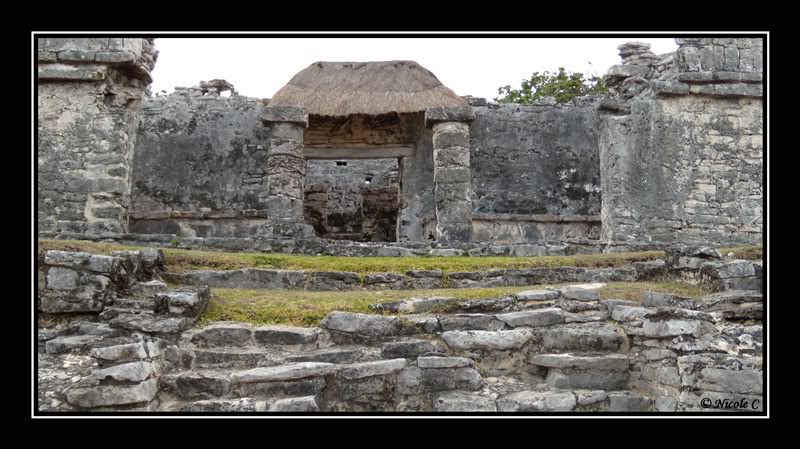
359	153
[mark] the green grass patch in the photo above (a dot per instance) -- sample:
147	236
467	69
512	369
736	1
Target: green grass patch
633	291
302	308
179	260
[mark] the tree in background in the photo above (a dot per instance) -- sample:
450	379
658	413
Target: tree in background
564	86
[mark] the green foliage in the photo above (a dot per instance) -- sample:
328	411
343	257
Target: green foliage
564	86
174	243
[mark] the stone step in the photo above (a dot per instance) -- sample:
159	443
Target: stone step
134	304
243	335
343	354
589	371
574	400
449	401
186	358
110	313
583	337
582	362
152	324
245	405
147	290
255	357
64	344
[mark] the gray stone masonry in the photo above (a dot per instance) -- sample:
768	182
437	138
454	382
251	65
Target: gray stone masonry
453	181
286	172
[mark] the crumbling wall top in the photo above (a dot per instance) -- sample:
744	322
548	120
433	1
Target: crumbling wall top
721	67
87	59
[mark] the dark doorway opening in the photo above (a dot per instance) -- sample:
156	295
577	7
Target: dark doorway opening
356	199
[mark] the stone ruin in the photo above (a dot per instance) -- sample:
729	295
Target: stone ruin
671	158
118	338
673	154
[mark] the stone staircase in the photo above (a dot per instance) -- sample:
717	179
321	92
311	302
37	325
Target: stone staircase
538	351
529	360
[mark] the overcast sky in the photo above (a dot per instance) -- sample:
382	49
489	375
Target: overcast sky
258	67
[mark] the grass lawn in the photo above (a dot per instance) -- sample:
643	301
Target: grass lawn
302	308
179	260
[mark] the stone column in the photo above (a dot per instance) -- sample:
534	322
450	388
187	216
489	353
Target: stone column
286	173
89	107
451	172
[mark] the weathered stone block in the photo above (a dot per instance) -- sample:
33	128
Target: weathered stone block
190	302
76	56
627	401
333	280
108	395
286	335
369	369
290	371
461	402
453	232
582	337
536	401
223	335
499	340
115	57
455	192
221	406
435	116
470	322
451	156
626	71
605	380
533	318
670	88
408	349
289	114
450	175
302	404
127	372
120	353
414	380
610	362
357	323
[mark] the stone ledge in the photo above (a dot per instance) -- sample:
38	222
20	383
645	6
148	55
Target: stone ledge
70	73
439	115
285	114
247	213
719	76
728	90
670	88
539	218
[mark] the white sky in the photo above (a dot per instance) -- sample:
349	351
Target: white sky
258	67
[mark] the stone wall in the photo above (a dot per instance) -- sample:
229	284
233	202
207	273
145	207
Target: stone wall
200	165
674	153
89	100
417	217
199	171
682	150
536	172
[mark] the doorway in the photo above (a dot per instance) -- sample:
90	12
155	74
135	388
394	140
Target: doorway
353	199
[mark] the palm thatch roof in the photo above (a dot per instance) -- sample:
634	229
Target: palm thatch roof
340	89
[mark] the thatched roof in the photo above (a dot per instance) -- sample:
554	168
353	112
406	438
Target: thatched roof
371	88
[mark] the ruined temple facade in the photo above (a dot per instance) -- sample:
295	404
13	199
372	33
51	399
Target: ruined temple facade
672	153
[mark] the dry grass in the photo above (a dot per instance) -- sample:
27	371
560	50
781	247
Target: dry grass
302	308
746	252
180	260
